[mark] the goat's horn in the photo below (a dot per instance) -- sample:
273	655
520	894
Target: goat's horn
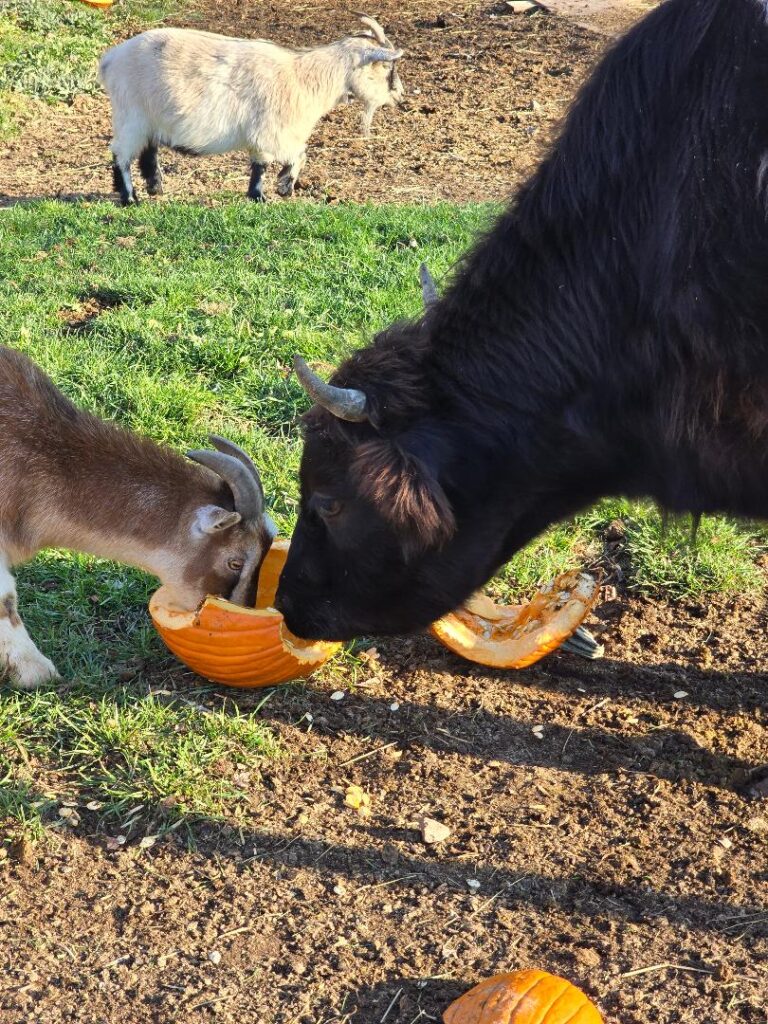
345	403
371	55
376	28
248	495
223	444
428	286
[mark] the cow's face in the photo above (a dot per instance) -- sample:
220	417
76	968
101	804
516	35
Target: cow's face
378	547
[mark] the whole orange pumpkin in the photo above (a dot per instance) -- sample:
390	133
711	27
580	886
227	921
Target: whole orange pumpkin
523	997
238	646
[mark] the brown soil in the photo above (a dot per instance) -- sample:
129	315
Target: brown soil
485	88
612	846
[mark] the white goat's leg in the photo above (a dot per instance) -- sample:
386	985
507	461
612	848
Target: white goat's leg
259	164
20	660
131	137
289	173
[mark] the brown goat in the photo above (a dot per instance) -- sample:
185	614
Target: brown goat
71	480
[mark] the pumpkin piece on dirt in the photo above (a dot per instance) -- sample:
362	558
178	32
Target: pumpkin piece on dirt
523	997
238	646
515	636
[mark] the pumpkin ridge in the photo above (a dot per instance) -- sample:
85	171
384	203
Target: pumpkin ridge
566	990
537	981
574	1015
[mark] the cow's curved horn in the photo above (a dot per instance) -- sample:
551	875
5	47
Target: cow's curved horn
376	28
246	489
345	403
428	286
372	54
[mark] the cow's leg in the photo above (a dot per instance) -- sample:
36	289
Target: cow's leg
286	180
20	660
150	170
255	185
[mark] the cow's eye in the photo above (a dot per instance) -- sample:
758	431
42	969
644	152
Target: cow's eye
327	507
235	564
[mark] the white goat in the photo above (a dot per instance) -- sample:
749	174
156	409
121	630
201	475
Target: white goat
70	480
203	93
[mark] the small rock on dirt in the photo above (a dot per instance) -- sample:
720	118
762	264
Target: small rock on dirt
433	831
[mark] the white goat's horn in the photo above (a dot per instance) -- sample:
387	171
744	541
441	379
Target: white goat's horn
376	28
372	54
345	403
428	287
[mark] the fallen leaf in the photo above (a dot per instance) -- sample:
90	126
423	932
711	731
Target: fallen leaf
147	842
356	798
520	6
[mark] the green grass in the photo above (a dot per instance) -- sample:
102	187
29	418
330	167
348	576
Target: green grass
202	310
49	49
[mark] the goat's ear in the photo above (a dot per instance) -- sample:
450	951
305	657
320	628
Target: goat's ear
212	519
406	493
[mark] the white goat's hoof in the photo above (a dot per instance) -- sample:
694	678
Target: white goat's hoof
30	670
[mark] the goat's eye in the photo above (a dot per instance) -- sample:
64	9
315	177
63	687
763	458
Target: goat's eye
235	564
327	507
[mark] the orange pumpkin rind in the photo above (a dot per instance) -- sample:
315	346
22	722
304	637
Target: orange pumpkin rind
523	997
236	646
515	636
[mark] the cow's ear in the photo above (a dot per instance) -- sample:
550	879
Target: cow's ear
406	493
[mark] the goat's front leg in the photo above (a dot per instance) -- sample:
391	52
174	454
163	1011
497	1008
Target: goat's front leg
255	186
20	660
288	175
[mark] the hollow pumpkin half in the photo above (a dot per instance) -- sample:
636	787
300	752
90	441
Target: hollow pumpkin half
515	636
238	646
523	997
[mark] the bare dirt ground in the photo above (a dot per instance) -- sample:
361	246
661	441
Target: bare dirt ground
485	90
611	847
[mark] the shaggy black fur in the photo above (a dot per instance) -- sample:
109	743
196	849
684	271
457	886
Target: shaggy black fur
609	335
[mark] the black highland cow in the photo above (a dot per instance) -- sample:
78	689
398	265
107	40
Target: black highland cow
608	336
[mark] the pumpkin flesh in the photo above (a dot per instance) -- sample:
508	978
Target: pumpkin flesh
515	636
238	646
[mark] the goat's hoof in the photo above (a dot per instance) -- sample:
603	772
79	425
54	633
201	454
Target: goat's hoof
155	190
131	200
285	189
30	671
257	197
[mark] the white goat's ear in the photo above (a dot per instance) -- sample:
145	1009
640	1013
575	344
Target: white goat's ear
212	519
